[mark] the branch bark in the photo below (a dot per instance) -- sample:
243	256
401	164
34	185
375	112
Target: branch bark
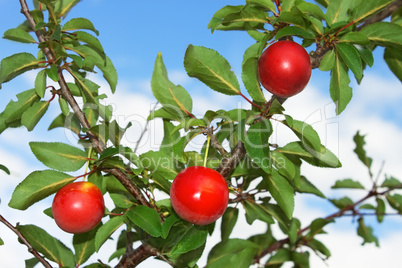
140	254
25	242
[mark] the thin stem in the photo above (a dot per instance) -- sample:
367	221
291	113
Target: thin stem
249	101
25	242
145	130
86	174
89	159
207	150
217	145
344	27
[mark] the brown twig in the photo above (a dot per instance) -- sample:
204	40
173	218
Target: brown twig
25	242
140	254
342	212
230	162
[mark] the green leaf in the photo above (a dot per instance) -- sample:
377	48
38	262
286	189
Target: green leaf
15	109
341	92
52	73
19	35
250	72
311	9
175	99
256	144
320	247
62	8
88	88
281	191
328	61
56	35
49	246
229	220
337	11
147	219
162	163
366	232
58	155
380	210
106	230
232	253
15	65
384	34
393	58
169	138
65	109
70	122
347	183
366	55
256	211
360	151
122	200
342	203
316	227
285	255
295	17
265	5
391	182
351	56
168	223
33	114
84	245
37	186
218	17
5	169
193	238
109	73
307	187
368	8
323	158
354	38
395	201
93	57
188	124
324	3
306	133
31	263
40	83
283	165
90	40
294	31
212	69
249	17
79	24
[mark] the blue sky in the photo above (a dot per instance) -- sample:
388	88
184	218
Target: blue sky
132	33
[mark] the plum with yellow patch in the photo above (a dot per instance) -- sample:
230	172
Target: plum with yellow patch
78	207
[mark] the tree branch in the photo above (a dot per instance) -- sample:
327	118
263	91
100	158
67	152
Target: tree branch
383	14
140	254
342	212
25	242
230	162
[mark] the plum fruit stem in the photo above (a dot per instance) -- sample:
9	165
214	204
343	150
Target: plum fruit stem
206	150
